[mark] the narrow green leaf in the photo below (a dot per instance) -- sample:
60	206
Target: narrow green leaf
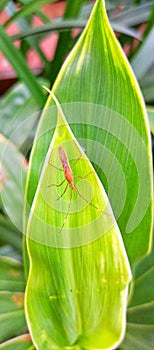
123	29
140	315
81	251
13	168
147	85
144	59
12	317
64	37
10	252
57	26
14	56
23	342
135	15
9	234
28	9
144	282
150	111
138	337
19	113
70	24
11	275
23	24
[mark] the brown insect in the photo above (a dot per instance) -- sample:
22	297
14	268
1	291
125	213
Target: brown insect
69	177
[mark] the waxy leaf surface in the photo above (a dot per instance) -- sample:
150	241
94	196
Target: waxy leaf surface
79	272
106	112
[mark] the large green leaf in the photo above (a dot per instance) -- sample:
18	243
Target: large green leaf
106	112
77	241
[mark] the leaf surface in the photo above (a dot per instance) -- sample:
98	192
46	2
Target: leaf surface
22	342
106	112
14	55
140	314
11	275
81	255
13	174
12	316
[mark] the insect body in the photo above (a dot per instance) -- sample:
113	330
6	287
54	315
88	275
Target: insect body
69	177
66	167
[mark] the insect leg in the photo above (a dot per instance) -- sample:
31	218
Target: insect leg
57	185
68	210
63	192
92	205
80	195
83	177
54	166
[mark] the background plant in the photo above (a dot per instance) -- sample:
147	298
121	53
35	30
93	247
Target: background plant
27	97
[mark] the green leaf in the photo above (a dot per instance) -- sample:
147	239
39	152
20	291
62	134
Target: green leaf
23	24
150	111
64	37
3	4
11	275
140	315
12	316
70	24
144	59
106	112
138	337
148	90
18	62
10	252
28	9
135	15
144	282
81	251
9	234
13	169
19	113
22	342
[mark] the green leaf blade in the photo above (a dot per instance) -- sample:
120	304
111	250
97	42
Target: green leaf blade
21	342
13	55
97	63
12	317
80	301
